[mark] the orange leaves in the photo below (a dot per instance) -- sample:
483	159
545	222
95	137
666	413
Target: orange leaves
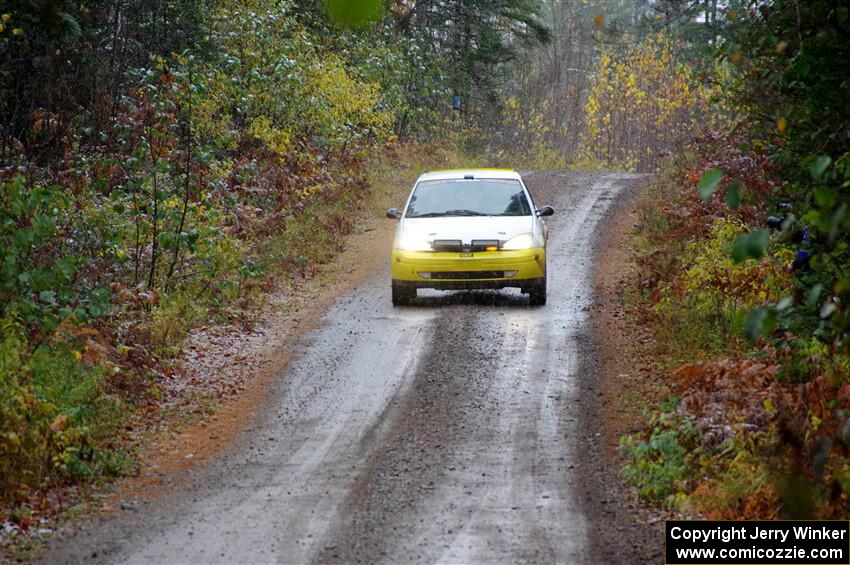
746	403
60	422
726	375
40	124
694	176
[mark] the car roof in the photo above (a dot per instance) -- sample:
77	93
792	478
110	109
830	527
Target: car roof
476	173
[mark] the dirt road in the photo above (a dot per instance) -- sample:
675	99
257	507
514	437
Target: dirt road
441	432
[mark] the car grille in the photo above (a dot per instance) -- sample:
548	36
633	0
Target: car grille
469	275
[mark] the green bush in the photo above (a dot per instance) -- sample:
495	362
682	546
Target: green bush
706	305
656	465
658	462
53	410
53	413
39	282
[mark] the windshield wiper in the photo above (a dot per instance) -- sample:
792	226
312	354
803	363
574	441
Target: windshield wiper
449	213
465	213
427	215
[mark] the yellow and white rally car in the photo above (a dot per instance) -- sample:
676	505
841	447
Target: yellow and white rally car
475	228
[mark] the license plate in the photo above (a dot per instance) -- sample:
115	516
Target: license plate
466	255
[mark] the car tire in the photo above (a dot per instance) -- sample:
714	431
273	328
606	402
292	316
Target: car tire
537	293
402	293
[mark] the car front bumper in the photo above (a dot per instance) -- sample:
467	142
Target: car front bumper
484	269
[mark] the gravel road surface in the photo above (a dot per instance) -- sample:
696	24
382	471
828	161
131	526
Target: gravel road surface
443	432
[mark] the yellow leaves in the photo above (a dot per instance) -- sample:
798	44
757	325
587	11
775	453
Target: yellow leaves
277	140
781	124
711	270
13	439
343	102
641	102
815	421
160	63
598	20
311	190
736	57
342	95
4	19
180	59
59	423
531	135
277	86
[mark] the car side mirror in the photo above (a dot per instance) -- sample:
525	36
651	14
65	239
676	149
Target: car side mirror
393	214
545	211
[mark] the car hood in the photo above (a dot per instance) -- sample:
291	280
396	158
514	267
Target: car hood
467	228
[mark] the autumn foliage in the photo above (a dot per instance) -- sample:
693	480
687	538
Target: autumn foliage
752	428
644	102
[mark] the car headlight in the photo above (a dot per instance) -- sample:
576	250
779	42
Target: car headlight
412	242
522	241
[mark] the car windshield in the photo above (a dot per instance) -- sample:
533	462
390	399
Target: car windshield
468	197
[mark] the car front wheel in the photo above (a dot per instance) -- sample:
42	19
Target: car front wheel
402	293
537	293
